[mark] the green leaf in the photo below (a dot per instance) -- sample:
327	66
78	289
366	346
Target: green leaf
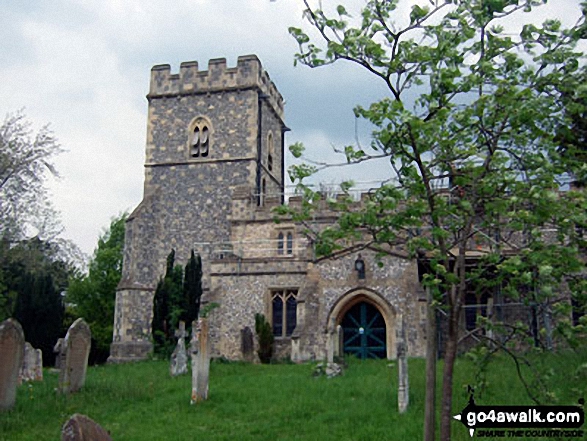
418	13
297	149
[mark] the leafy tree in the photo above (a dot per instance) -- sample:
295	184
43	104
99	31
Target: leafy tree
92	295
25	163
192	287
573	137
35	276
265	338
177	297
471	128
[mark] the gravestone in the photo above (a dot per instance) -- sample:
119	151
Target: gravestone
81	428
331	345
247	344
403	390
38	371
77	342
179	358
11	355
59	349
200	352
29	361
340	342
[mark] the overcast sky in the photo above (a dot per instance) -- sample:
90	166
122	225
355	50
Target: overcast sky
83	67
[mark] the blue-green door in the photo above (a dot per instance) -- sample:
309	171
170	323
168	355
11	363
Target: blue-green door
364	332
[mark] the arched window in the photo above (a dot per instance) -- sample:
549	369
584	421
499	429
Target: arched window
284	311
289	243
199	138
263	192
280	244
270	149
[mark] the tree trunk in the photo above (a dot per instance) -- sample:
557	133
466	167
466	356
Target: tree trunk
450	352
430	404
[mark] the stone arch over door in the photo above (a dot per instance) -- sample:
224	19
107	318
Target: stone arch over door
364	295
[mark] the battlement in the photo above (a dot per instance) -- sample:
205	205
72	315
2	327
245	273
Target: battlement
248	73
245	204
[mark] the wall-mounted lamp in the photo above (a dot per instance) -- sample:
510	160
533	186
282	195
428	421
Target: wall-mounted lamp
360	267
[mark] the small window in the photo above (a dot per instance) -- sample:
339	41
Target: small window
280	238
263	190
284	312
289	243
270	149
199	138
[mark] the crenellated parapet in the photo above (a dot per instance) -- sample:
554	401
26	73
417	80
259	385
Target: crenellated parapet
247	74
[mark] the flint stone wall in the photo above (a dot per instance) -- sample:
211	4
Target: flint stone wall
242	295
187	201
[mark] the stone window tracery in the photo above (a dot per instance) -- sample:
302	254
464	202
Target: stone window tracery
289	242
284	311
280	238
199	138
285	243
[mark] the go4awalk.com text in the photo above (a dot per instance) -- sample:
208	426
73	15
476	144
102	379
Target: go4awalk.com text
523	421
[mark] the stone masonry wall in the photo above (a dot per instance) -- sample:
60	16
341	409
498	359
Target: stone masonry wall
187	200
243	294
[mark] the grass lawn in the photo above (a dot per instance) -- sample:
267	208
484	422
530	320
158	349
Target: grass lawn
269	402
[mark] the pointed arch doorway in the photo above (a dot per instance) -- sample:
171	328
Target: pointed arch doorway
364	331
367	322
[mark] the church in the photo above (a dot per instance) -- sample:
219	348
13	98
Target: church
214	172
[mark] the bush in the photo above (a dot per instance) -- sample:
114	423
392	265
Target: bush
265	338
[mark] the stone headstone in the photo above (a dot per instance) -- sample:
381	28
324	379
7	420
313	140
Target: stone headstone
403	389
331	345
29	361
340	342
38	371
200	360
77	342
59	349
330	370
247	344
179	358
81	428
11	355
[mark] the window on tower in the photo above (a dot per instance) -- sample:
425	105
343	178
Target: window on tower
270	151
199	138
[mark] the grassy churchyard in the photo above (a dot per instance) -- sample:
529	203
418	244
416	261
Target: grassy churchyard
270	402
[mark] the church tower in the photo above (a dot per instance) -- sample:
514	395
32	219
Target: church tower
209	132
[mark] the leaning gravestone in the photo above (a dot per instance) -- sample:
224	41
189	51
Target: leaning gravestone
179	358
38	371
11	355
30	369
77	342
200	350
81	428
247	344
59	349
